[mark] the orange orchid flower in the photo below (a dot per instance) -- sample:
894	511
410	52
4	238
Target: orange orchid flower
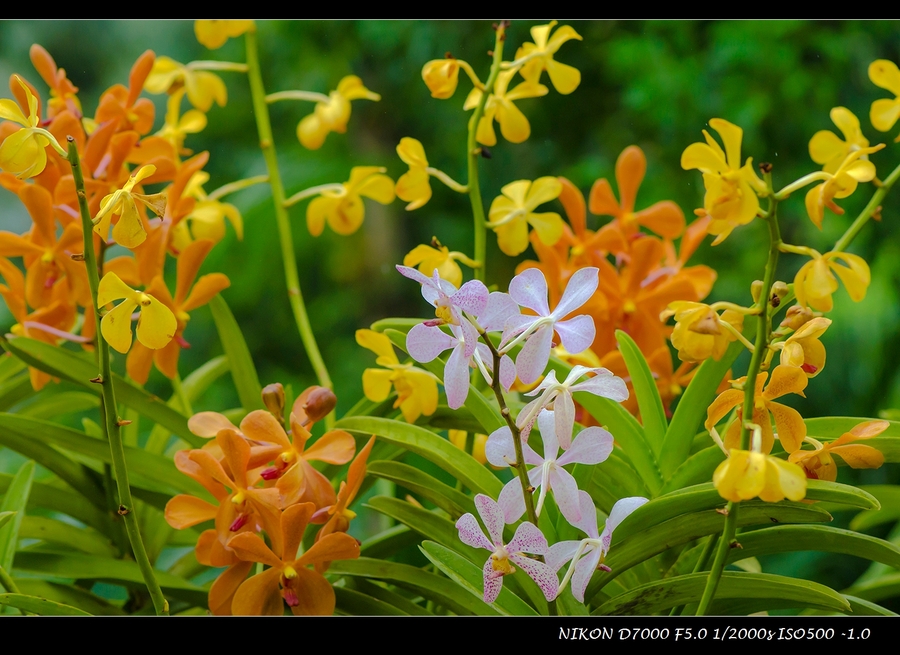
288	580
819	464
123	106
62	92
337	517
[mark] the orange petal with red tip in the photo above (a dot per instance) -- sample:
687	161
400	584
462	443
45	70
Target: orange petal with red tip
785	380
221	593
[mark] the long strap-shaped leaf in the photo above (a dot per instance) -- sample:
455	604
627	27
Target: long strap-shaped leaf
653	416
68	365
15	500
243	372
454	502
430	446
40	606
757	591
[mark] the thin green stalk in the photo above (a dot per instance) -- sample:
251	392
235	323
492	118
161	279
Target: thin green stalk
267	145
702	561
7	583
111	426
182	396
763	330
867	212
474	152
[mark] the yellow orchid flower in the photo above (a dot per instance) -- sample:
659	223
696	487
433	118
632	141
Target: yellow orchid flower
156	325
177	127
441	77
815	282
512	212
23	152
731	189
207	219
438	257
745	475
700	332
417	392
214	33
829	149
413	187
332	116
343	208
513	124
842	183
819	464
539	56
203	88
129	230
884	112
803	348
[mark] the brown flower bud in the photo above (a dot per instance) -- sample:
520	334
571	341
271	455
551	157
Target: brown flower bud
273	399
314	404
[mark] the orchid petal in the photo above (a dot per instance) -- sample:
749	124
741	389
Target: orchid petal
564	409
584	571
579	290
492	585
592	446
535	354
470	533
456	378
565	491
577	334
472	297
492	517
560	553
528	539
529	289
543	575
512	500
424	343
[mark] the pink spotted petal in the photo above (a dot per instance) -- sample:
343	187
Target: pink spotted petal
470	335
576	334
528	539
529	289
512	501
564	409
581	287
561	553
588	522
507	372
591	446
500	307
424	343
535	354
472	297
565	492
620	511
456	378
499	449
584	571
547	426
548	381
470	533
543	575
491	516
604	384
515	324
492	585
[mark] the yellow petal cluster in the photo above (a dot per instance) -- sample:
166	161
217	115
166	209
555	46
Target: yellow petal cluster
441	77
413	186
512	213
438	258
819	463
417	392
745	475
699	330
830	150
343	209
815	281
332	116
513	124
214	33
564	78
202	87
804	350
884	112
731	189
129	230
23	152
156	324
842	183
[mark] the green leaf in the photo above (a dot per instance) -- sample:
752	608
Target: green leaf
10	366
832	427
57	404
354	603
382	593
15	500
885	587
429	524
390	542
59	498
445	418
888	496
469	576
151	472
68	595
201	378
862	607
444	496
429	445
69	365
841	494
433	587
697	469
609	481
5	517
691	410
243	372
67	536
40	606
821	538
91	567
653	415
757	591
632	547
15	390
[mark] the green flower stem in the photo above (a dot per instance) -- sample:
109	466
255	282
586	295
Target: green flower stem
182	396
267	145
867	212
237	185
7	583
763	334
307	96
517	443
474	152
111	427
447	180
210	65
312	191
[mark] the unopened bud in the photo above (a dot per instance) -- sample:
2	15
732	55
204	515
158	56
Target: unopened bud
319	403
273	399
765	167
780	289
441	77
796	317
756	290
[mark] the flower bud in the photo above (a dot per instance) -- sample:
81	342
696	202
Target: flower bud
273	399
319	403
780	289
756	290
796	317
441	77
